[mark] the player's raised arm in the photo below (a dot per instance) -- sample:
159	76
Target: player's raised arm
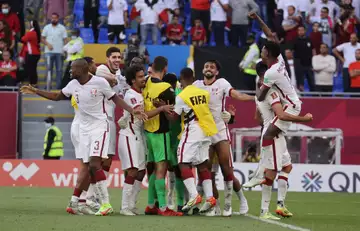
241	96
269	34
54	96
138	112
282	115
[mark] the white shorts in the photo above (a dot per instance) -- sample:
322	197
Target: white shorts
195	152
132	152
112	133
223	134
94	143
284	125
75	139
276	156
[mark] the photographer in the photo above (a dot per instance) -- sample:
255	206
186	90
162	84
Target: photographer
134	49
251	155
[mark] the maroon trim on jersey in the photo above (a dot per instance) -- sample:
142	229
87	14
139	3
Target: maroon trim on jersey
136	90
103	104
263	85
183	144
112	97
276	61
275	103
285	96
231	157
223	103
102	144
129	152
283	178
211	82
274	155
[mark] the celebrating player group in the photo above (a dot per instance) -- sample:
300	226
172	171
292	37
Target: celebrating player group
168	128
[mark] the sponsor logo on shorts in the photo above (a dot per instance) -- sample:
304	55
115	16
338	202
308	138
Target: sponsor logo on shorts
20	170
312	181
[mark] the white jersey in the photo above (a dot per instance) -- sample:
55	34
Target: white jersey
193	131
276	76
265	109
219	90
135	126
90	99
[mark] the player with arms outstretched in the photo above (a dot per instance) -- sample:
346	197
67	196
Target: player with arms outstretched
89	93
219	89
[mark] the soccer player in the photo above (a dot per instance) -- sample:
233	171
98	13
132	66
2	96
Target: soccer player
113	59
174	174
272	110
193	104
132	141
219	89
89	93
158	138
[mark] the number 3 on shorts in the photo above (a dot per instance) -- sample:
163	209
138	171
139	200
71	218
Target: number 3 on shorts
97	145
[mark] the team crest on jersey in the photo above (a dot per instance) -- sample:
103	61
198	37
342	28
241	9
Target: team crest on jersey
93	92
133	100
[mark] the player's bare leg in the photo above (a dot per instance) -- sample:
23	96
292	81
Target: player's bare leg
81	184
136	191
106	164
98	180
128	190
282	190
223	150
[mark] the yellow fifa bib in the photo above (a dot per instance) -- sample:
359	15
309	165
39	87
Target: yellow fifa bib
73	103
150	93
198	100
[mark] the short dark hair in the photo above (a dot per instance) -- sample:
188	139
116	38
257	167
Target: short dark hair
186	73
57	15
325	8
170	78
159	64
292	7
112	50
88	59
214	61
324	44
130	73
261	68
273	48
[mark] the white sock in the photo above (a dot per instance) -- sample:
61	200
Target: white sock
83	195
191	187
135	194
218	202
228	188
90	192
265	198
200	190
208	190
127	195
240	195
74	199
282	190
171	178
102	191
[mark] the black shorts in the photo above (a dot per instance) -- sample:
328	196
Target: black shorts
114	32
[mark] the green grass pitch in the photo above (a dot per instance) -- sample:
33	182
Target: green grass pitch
37	209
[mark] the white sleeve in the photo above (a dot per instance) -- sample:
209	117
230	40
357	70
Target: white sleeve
224	2
68	89
108	3
272	97
125	6
100	70
341	47
45	32
64	35
269	79
105	89
179	105
131	100
226	86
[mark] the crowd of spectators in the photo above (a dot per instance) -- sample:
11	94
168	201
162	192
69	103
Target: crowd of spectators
312	32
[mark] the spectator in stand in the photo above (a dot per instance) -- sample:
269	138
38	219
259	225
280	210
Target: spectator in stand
263	8
8	70
291	23
6	34
248	64
54	36
354	71
31	48
240	20
218	10
11	18
348	49
324	66
283	5
117	20
326	26
198	34
290	60
148	19
91	16
60	7
303	54
345	25
316	37
33	8
317	6
135	49
200	9
3	47
304	7
17	6
175	32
